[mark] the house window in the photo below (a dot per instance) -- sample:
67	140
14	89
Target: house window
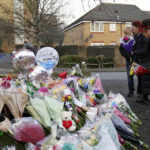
97	44
128	24
97	26
70	32
112	27
113	43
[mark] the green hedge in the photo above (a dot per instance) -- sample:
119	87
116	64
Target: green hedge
75	59
72	59
107	59
92	60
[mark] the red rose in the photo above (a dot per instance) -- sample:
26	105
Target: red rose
67	124
63	75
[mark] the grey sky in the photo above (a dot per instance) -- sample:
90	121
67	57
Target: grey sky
76	9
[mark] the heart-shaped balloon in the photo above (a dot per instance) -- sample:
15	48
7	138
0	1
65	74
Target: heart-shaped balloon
67	124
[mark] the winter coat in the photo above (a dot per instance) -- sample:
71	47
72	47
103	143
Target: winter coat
126	47
139	43
143	55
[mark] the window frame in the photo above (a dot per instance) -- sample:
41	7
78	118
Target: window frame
114	29
94	23
128	24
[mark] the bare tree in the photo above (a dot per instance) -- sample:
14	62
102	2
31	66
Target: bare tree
34	17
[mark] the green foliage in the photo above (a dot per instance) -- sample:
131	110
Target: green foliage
100	58
107	59
92	60
72	59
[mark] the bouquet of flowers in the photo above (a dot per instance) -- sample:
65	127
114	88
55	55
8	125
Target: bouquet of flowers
138	70
27	130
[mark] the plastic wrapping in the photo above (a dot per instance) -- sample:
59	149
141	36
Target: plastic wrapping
76	71
27	130
122	116
5	124
38	75
30	146
55	109
9	148
16	100
120	125
91	138
98	84
41	109
71	142
47	57
23	60
72	84
139	70
34	114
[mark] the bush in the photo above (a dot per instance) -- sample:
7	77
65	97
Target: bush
92	60
107	59
100	58
72	59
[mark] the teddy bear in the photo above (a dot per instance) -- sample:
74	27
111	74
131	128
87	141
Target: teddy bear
68	123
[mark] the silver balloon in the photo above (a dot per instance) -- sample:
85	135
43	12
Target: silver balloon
38	74
23	60
47	57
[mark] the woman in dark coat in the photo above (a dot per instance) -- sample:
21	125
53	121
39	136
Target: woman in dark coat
140	41
143	56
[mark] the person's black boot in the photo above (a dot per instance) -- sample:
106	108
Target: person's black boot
130	94
143	99
139	95
140	100
146	100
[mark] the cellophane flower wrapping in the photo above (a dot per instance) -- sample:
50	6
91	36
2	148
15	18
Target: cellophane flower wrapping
30	146
35	115
120	125
103	133
139	70
23	60
15	99
55	109
37	75
122	116
27	130
9	148
41	109
5	124
121	103
70	142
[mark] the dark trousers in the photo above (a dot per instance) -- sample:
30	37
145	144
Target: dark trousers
139	87
129	77
145	85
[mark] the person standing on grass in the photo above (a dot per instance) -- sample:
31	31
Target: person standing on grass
143	55
140	42
125	50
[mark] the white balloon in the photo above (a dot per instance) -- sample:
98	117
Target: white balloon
47	57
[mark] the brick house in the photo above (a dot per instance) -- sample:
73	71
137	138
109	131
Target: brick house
103	25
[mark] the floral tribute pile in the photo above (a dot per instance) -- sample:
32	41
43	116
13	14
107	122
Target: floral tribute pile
68	112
